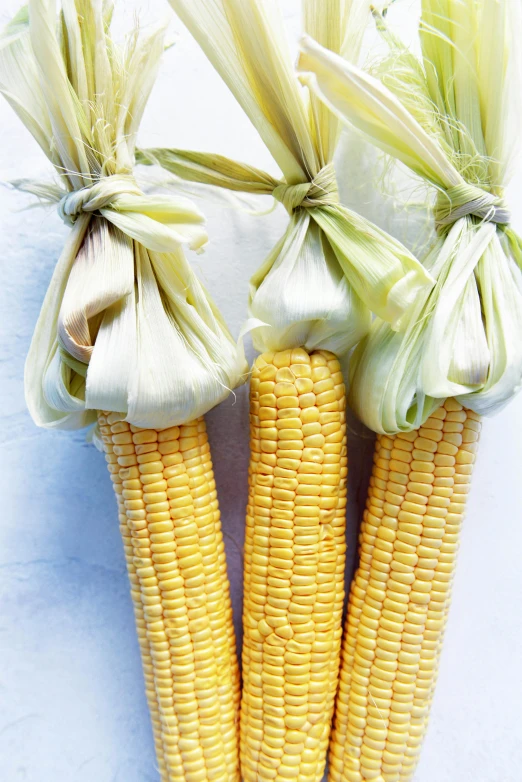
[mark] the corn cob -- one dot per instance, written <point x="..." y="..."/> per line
<point x="294" y="564"/>
<point x="174" y="548"/>
<point x="400" y="596"/>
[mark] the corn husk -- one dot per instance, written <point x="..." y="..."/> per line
<point x="125" y="325"/>
<point x="453" y="118"/>
<point x="332" y="268"/>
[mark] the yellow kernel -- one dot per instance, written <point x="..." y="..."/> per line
<point x="314" y="441"/>
<point x="284" y="389"/>
<point x="301" y="370"/>
<point x="286" y="402"/>
<point x="267" y="400"/>
<point x="304" y="385"/>
<point x="308" y="400"/>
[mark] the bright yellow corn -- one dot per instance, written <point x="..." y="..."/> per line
<point x="170" y="525"/>
<point x="294" y="565"/>
<point x="400" y="596"/>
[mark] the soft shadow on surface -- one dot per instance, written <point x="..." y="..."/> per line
<point x="360" y="459"/>
<point x="228" y="430"/>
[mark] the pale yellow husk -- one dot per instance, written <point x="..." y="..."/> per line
<point x="453" y="118"/>
<point x="331" y="268"/>
<point x="125" y="325"/>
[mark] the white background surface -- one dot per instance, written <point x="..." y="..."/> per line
<point x="72" y="707"/>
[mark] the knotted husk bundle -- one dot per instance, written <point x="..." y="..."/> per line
<point x="453" y="118"/>
<point x="331" y="268"/>
<point x="129" y="335"/>
<point x="125" y="325"/>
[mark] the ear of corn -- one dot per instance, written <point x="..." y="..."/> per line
<point x="169" y="520"/>
<point x="294" y="564"/>
<point x="400" y="596"/>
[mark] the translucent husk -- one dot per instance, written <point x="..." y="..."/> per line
<point x="125" y="325"/>
<point x="453" y="118"/>
<point x="332" y="268"/>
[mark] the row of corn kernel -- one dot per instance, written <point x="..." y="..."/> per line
<point x="145" y="647"/>
<point x="176" y="547"/>
<point x="464" y="425"/>
<point x="400" y="596"/>
<point x="294" y="564"/>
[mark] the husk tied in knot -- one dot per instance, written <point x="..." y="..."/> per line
<point x="320" y="191"/>
<point x="100" y="195"/>
<point x="468" y="199"/>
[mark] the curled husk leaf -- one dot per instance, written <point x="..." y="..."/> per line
<point x="453" y="118"/>
<point x="331" y="268"/>
<point x="125" y="325"/>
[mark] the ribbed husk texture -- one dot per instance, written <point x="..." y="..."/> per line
<point x="331" y="268"/>
<point x="453" y="118"/>
<point x="125" y="325"/>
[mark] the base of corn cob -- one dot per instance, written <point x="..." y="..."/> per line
<point x="294" y="565"/>
<point x="400" y="596"/>
<point x="169" y="521"/>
